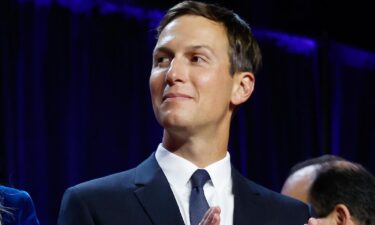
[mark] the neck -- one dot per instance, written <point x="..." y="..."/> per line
<point x="202" y="150"/>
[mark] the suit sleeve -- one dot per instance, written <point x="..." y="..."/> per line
<point x="312" y="212"/>
<point x="74" y="210"/>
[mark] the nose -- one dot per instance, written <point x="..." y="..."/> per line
<point x="176" y="72"/>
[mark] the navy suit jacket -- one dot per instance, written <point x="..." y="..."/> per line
<point x="142" y="196"/>
<point x="20" y="206"/>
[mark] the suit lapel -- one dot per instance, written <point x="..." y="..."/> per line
<point x="246" y="200"/>
<point x="155" y="194"/>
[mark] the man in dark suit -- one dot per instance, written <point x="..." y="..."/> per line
<point x="204" y="66"/>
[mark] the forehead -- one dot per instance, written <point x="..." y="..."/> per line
<point x="194" y="30"/>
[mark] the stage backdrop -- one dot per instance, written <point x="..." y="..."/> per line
<point x="75" y="102"/>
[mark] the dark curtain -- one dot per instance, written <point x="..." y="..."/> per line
<point x="75" y="101"/>
<point x="352" y="112"/>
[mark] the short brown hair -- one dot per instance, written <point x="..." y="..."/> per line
<point x="244" y="51"/>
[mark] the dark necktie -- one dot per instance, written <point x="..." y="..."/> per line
<point x="198" y="204"/>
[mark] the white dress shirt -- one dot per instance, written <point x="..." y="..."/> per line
<point x="218" y="190"/>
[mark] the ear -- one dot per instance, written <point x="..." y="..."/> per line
<point x="243" y="87"/>
<point x="341" y="215"/>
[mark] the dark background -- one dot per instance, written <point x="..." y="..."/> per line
<point x="75" y="100"/>
<point x="351" y="22"/>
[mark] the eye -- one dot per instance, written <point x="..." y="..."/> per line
<point x="198" y="59"/>
<point x="162" y="61"/>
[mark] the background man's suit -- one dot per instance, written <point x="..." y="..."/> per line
<point x="142" y="196"/>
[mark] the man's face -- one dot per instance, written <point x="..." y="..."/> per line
<point x="190" y="82"/>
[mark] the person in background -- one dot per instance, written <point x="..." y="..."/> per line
<point x="302" y="175"/>
<point x="204" y="66"/>
<point x="16" y="207"/>
<point x="340" y="192"/>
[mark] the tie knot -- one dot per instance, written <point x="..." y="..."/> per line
<point x="199" y="178"/>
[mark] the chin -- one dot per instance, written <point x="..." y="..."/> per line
<point x="173" y="121"/>
<point x="168" y="123"/>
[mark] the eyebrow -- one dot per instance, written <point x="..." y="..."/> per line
<point x="162" y="49"/>
<point x="194" y="47"/>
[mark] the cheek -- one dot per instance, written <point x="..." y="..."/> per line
<point x="156" y="84"/>
<point x="217" y="85"/>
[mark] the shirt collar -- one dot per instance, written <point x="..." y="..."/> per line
<point x="179" y="170"/>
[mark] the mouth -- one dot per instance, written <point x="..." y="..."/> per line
<point x="176" y="96"/>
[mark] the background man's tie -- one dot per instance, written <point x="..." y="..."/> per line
<point x="198" y="203"/>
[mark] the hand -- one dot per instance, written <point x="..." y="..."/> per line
<point x="211" y="217"/>
<point x="315" y="221"/>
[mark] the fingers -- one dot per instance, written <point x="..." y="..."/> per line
<point x="211" y="217"/>
<point x="314" y="221"/>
